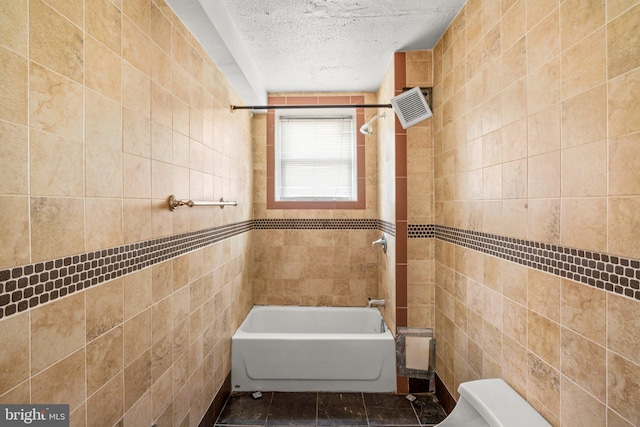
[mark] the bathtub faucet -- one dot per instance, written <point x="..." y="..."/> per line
<point x="375" y="303"/>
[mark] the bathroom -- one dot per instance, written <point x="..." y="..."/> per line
<point x="535" y="139"/>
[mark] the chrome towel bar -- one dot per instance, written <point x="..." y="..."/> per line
<point x="175" y="203"/>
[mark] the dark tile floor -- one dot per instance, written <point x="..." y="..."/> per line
<point x="330" y="409"/>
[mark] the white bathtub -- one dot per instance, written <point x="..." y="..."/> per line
<point x="287" y="348"/>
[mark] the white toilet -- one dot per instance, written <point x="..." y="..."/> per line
<point x="492" y="403"/>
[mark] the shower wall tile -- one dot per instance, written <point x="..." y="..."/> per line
<point x="55" y="103"/>
<point x="56" y="227"/>
<point x="14" y="152"/>
<point x="622" y="42"/>
<point x="56" y="166"/>
<point x="14" y="20"/>
<point x="15" y="365"/>
<point x="584" y="63"/>
<point x="54" y="42"/>
<point x="567" y="178"/>
<point x="14" y="94"/>
<point x="623" y="112"/>
<point x="90" y="152"/>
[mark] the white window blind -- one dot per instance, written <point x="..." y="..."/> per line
<point x="316" y="157"/>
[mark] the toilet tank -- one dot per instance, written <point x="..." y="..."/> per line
<point x="500" y="405"/>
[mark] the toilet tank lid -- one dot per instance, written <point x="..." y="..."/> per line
<point x="500" y="405"/>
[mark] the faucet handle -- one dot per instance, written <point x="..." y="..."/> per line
<point x="382" y="242"/>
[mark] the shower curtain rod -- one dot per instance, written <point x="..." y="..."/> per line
<point x="276" y="107"/>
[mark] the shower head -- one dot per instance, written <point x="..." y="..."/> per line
<point x="367" y="128"/>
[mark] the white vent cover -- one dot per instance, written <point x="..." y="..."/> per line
<point x="411" y="107"/>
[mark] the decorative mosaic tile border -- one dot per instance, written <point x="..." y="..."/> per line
<point x="30" y="285"/>
<point x="314" y="224"/>
<point x="421" y="231"/>
<point x="387" y="227"/>
<point x="27" y="286"/>
<point x="611" y="273"/>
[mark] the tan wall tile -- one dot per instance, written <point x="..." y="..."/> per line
<point x="623" y="112"/>
<point x="136" y="216"/>
<point x="102" y="69"/>
<point x="14" y="217"/>
<point x="616" y="7"/>
<point x="622" y="42"/>
<point x="52" y="341"/>
<point x="579" y="19"/>
<point x="137" y="292"/>
<point x="623" y="222"/>
<point x="56" y="167"/>
<point x="14" y="18"/>
<point x="622" y="376"/>
<point x="578" y="352"/>
<point x="584" y="223"/>
<point x="514" y="179"/>
<point x="138" y="12"/>
<point x="104" y="359"/>
<point x="19" y="395"/>
<point x="13" y="82"/>
<point x="137" y="379"/>
<point x="135" y="45"/>
<point x="102" y="121"/>
<point x="584" y="64"/>
<point x="543" y="131"/>
<point x="579" y="407"/>
<point x="544" y="383"/>
<point x="544" y="294"/>
<point x="514" y="24"/>
<point x="584" y="118"/>
<point x="106" y="405"/>
<point x="103" y="174"/>
<point x="543" y="40"/>
<point x="55" y="103"/>
<point x="584" y="310"/>
<point x="137" y="336"/>
<point x="515" y="321"/>
<point x="548" y="76"/>
<point x="103" y="223"/>
<point x="61" y="383"/>
<point x="55" y="42"/>
<point x="624" y="165"/>
<point x="544" y="338"/>
<point x="14" y="365"/>
<point x="544" y="175"/>
<point x="622" y="339"/>
<point x="581" y="181"/>
<point x="57" y="227"/>
<point x="14" y="155"/>
<point x="160" y="28"/>
<point x="104" y="308"/>
<point x="537" y="10"/>
<point x="103" y="21"/>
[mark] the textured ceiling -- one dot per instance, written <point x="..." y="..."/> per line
<point x="311" y="45"/>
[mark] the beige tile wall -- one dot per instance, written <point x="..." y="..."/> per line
<point x="386" y="161"/>
<point x="314" y="267"/>
<point x="107" y="108"/>
<point x="536" y="137"/>
<point x="420" y="201"/>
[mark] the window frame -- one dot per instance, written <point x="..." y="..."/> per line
<point x="272" y="202"/>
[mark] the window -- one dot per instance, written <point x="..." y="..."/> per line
<point x="316" y="156"/>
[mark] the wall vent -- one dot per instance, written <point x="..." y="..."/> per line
<point x="411" y="107"/>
